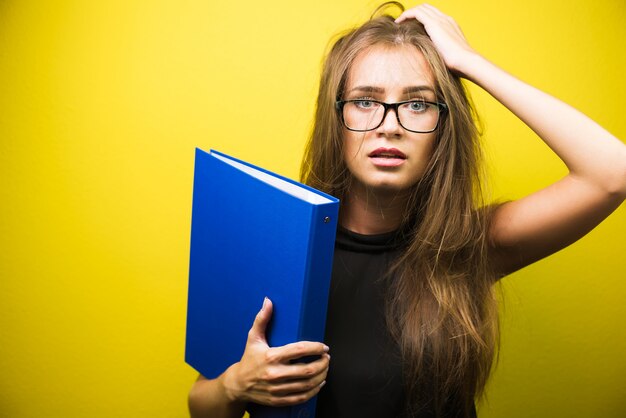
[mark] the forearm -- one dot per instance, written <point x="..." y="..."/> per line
<point x="530" y="228"/>
<point x="590" y="152"/>
<point x="209" y="398"/>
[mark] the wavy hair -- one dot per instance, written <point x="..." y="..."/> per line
<point x="441" y="306"/>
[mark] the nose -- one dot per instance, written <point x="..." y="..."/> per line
<point x="391" y="125"/>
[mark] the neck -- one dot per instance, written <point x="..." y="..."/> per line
<point x="368" y="212"/>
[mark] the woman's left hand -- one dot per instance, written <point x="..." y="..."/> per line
<point x="445" y="34"/>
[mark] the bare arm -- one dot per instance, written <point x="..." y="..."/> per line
<point x="528" y="229"/>
<point x="548" y="220"/>
<point x="264" y="375"/>
<point x="209" y="398"/>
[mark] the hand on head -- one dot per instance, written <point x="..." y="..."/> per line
<point x="444" y="32"/>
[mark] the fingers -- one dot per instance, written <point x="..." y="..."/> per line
<point x="293" y="398"/>
<point x="294" y="383"/>
<point x="445" y="34"/>
<point x="270" y="376"/>
<point x="257" y="332"/>
<point x="287" y="384"/>
<point x="428" y="15"/>
<point x="278" y="373"/>
<point x="291" y="387"/>
<point x="295" y="351"/>
<point x="420" y="13"/>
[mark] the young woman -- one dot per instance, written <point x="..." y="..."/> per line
<point x="412" y="321"/>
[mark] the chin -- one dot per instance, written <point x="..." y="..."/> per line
<point x="394" y="185"/>
<point x="386" y="188"/>
<point x="385" y="183"/>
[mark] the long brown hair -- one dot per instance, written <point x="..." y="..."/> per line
<point x="441" y="307"/>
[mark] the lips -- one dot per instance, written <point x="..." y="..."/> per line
<point x="387" y="153"/>
<point x="387" y="157"/>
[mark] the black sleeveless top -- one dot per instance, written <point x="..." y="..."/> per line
<point x="365" y="378"/>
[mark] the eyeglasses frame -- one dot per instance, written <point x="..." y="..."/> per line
<point x="339" y="104"/>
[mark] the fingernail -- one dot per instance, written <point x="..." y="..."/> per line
<point x="264" y="304"/>
<point x="323" y="383"/>
<point x="326" y="348"/>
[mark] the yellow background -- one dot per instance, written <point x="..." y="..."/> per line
<point x="101" y="106"/>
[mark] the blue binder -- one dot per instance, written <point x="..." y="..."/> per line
<point x="255" y="234"/>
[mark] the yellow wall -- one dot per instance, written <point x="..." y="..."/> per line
<point x="101" y="106"/>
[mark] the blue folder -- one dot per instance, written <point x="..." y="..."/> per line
<point x="255" y="234"/>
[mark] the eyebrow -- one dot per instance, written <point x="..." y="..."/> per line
<point x="368" y="89"/>
<point x="406" y="90"/>
<point x="417" y="89"/>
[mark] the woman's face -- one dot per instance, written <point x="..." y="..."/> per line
<point x="388" y="158"/>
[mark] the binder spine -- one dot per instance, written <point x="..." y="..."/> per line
<point x="317" y="284"/>
<point x="323" y="228"/>
<point x="317" y="281"/>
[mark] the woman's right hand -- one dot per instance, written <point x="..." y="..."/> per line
<point x="267" y="375"/>
<point x="445" y="34"/>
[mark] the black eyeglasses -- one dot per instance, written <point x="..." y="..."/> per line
<point x="362" y="115"/>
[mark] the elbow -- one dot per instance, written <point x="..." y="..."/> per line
<point x="194" y="400"/>
<point x="617" y="184"/>
<point x="199" y="398"/>
<point x="611" y="178"/>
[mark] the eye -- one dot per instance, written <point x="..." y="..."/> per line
<point x="418" y="106"/>
<point x="364" y="104"/>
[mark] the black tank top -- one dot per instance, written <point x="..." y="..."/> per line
<point x="365" y="378"/>
<point x="365" y="375"/>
